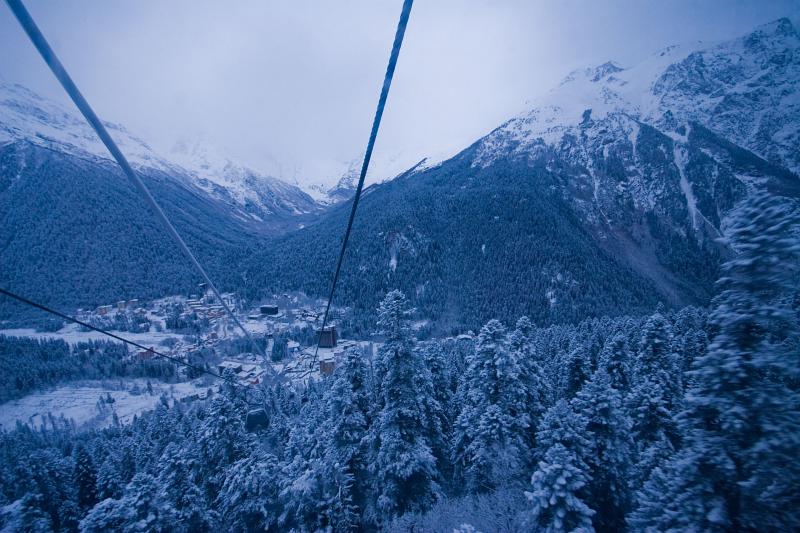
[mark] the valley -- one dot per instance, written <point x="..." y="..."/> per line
<point x="588" y="319"/>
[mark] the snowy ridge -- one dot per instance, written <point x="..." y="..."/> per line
<point x="744" y="89"/>
<point x="220" y="177"/>
<point x="26" y="116"/>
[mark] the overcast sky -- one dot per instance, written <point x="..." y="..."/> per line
<point x="290" y="87"/>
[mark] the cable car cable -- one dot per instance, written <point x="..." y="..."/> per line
<point x="109" y="334"/>
<point x="387" y="82"/>
<point x="49" y="56"/>
<point x="170" y="358"/>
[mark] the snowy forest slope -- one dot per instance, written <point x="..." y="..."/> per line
<point x="608" y="194"/>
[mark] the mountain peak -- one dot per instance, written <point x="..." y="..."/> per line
<point x="774" y="36"/>
<point x="27" y="116"/>
<point x="744" y="89"/>
<point x="781" y="27"/>
<point x="606" y="69"/>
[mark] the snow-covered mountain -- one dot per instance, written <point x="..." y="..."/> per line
<point x="607" y="195"/>
<point x="73" y="230"/>
<point x="345" y="188"/>
<point x="24" y="115"/>
<point x="259" y="195"/>
<point x="745" y="90"/>
<point x="28" y="117"/>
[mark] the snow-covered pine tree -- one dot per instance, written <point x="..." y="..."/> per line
<point x="538" y="389"/>
<point x="490" y="434"/>
<point x="738" y="470"/>
<point x="576" y="370"/>
<point x="248" y="499"/>
<point x="433" y="355"/>
<point x="178" y="495"/>
<point x="394" y="323"/>
<point x="656" y="358"/>
<point x="402" y="465"/>
<point x="691" y="339"/>
<point x="137" y="510"/>
<point x="655" y="398"/>
<point x="85" y="477"/>
<point x="221" y="438"/>
<point x="433" y="414"/>
<point x="562" y="425"/>
<point x="305" y="496"/>
<point x="347" y="410"/>
<point x="609" y="460"/>
<point x="655" y="428"/>
<point x="32" y="519"/>
<point x="615" y="360"/>
<point x="109" y="484"/>
<point x="556" y="506"/>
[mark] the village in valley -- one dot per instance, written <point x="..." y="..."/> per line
<point x="289" y="326"/>
<point x="193" y="329"/>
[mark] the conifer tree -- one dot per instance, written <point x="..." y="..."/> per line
<point x="738" y="470"/>
<point x="562" y="425"/>
<point x="609" y="458"/>
<point x="179" y="496"/>
<point x="402" y="464"/>
<point x="85" y="478"/>
<point x="490" y="436"/>
<point x="576" y="370"/>
<point x="433" y="356"/>
<point x="615" y="360"/>
<point x="137" y="510"/>
<point x="655" y="399"/>
<point x="537" y="387"/>
<point x="248" y="499"/>
<point x="221" y="439"/>
<point x="347" y="417"/>
<point x="555" y="504"/>
<point x="32" y="518"/>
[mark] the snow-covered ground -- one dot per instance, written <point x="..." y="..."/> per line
<point x="79" y="402"/>
<point x="73" y="335"/>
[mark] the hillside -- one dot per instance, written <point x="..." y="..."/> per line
<point x="74" y="232"/>
<point x="609" y="195"/>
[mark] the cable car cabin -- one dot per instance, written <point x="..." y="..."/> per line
<point x="327" y="337"/>
<point x="269" y="310"/>
<point x="327" y="366"/>
<point x="256" y="419"/>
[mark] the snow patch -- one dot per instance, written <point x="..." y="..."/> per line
<point x="681" y="159"/>
<point x="79" y="403"/>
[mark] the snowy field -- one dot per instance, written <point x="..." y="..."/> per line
<point x="79" y="402"/>
<point x="73" y="335"/>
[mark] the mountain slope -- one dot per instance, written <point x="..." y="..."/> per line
<point x="261" y="197"/>
<point x="73" y="231"/>
<point x="607" y="196"/>
<point x="277" y="205"/>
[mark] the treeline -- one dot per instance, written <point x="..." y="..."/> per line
<point x="682" y="421"/>
<point x="28" y="364"/>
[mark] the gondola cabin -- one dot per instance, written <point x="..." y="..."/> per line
<point x="256" y="419"/>
<point x="327" y="366"/>
<point x="269" y="310"/>
<point x="327" y="337"/>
